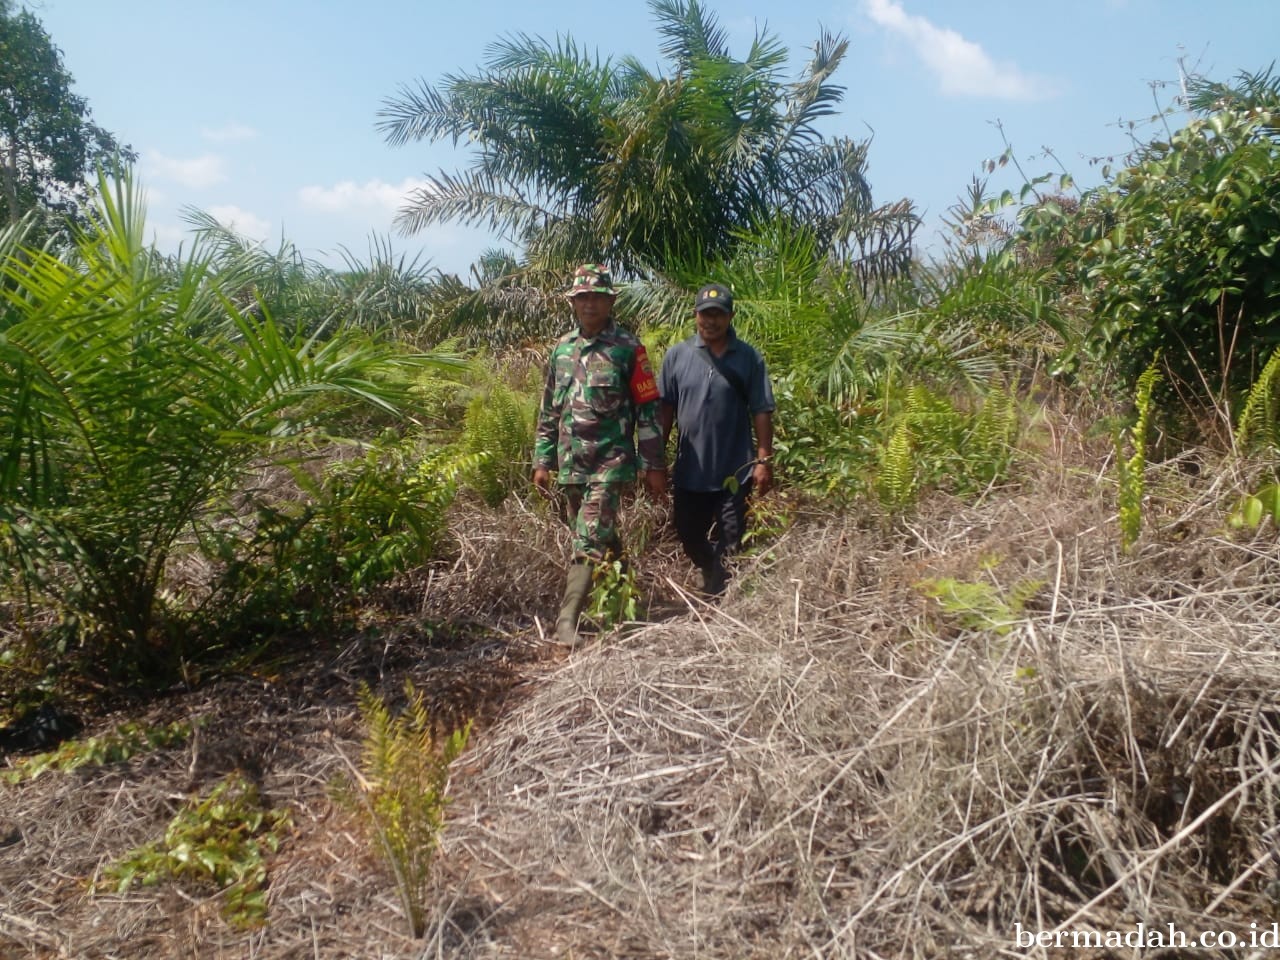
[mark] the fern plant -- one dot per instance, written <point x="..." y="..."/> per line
<point x="400" y="788"/>
<point x="935" y="440"/>
<point x="1257" y="424"/>
<point x="1131" y="470"/>
<point x="896" y="485"/>
<point x="1258" y="428"/>
<point x="992" y="434"/>
<point x="498" y="430"/>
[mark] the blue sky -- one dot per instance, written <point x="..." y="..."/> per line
<point x="263" y="113"/>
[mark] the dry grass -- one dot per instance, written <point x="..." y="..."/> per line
<point x="827" y="763"/>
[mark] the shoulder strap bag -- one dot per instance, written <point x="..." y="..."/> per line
<point x="730" y="376"/>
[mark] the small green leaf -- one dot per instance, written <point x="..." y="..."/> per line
<point x="1248" y="513"/>
<point x="1269" y="498"/>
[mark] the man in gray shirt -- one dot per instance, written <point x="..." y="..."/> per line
<point x="715" y="390"/>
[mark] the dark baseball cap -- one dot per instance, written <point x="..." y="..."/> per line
<point x="714" y="296"/>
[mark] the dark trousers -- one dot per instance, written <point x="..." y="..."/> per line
<point x="697" y="513"/>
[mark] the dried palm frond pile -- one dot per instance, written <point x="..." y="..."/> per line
<point x="842" y="760"/>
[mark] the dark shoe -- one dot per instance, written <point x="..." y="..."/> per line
<point x="577" y="590"/>
<point x="714" y="579"/>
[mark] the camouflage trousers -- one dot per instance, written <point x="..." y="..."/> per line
<point x="591" y="511"/>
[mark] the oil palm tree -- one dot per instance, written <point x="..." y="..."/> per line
<point x="134" y="395"/>
<point x="581" y="157"/>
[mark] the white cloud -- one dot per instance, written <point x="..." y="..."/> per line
<point x="349" y="196"/>
<point x="241" y="221"/>
<point x="229" y="133"/>
<point x="167" y="236"/>
<point x="962" y="67"/>
<point x="196" y="172"/>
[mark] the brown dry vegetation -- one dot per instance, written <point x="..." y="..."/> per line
<point x="828" y="763"/>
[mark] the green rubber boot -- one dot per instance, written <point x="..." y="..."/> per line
<point x="577" y="590"/>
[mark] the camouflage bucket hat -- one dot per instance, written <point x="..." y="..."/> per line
<point x="591" y="278"/>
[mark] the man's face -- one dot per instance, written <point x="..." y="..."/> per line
<point x="713" y="324"/>
<point x="592" y="310"/>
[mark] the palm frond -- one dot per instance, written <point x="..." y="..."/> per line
<point x="566" y="144"/>
<point x="689" y="31"/>
<point x="814" y="96"/>
<point x="472" y="198"/>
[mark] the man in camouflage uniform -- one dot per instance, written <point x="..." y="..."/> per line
<point x="599" y="409"/>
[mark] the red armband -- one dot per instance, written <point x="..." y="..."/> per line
<point x="644" y="388"/>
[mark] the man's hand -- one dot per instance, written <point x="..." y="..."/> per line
<point x="542" y="480"/>
<point x="762" y="476"/>
<point x="655" y="484"/>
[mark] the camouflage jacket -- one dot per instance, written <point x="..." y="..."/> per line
<point x="599" y="405"/>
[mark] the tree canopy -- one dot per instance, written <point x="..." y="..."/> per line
<point x="48" y="140"/>
<point x="1176" y="252"/>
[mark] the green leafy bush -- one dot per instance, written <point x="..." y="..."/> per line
<point x="223" y="839"/>
<point x="615" y="598"/>
<point x="820" y="445"/>
<point x="1176" y="254"/>
<point x="360" y="522"/>
<point x="125" y="741"/>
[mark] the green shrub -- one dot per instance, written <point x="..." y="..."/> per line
<point x="1175" y="253"/>
<point x="222" y="839"/>
<point x="125" y="741"/>
<point x="360" y="522"/>
<point x="615" y="598"/>
<point x="820" y="445"/>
